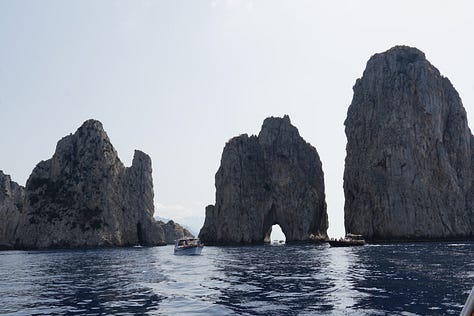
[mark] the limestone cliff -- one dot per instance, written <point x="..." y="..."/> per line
<point x="275" y="178"/>
<point x="84" y="197"/>
<point x="410" y="153"/>
<point x="11" y="203"/>
<point x="174" y="231"/>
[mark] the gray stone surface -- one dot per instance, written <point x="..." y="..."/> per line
<point x="84" y="197"/>
<point x="275" y="178"/>
<point x="174" y="231"/>
<point x="410" y="153"/>
<point x="11" y="203"/>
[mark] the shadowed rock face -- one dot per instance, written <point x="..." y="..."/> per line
<point x="275" y="178"/>
<point x="11" y="203"/>
<point x="84" y="197"/>
<point x="410" y="153"/>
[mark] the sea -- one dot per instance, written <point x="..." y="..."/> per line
<point x="291" y="279"/>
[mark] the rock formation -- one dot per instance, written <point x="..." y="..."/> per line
<point x="275" y="178"/>
<point x="174" y="231"/>
<point x="11" y="203"/>
<point x="84" y="197"/>
<point x="410" y="153"/>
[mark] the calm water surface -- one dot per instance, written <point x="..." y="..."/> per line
<point x="403" y="279"/>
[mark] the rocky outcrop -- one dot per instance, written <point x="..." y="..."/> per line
<point x="275" y="178"/>
<point x="410" y="153"/>
<point x="84" y="197"/>
<point x="174" y="231"/>
<point x="11" y="203"/>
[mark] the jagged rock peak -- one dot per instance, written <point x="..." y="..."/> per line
<point x="89" y="145"/>
<point x="84" y="197"/>
<point x="275" y="122"/>
<point x="141" y="160"/>
<point x="273" y="178"/>
<point x="91" y="130"/>
<point x="274" y="128"/>
<point x="92" y="124"/>
<point x="8" y="188"/>
<point x="409" y="164"/>
<point x="398" y="57"/>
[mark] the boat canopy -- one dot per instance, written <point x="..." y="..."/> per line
<point x="355" y="236"/>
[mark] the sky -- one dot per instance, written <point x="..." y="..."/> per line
<point x="178" y="79"/>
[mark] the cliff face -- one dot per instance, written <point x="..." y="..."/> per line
<point x="174" y="231"/>
<point x="11" y="203"/>
<point x="84" y="197"/>
<point x="275" y="178"/>
<point x="410" y="153"/>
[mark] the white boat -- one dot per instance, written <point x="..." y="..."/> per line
<point x="188" y="247"/>
<point x="348" y="241"/>
<point x="276" y="242"/>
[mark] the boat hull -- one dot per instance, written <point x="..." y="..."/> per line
<point x="188" y="251"/>
<point x="346" y="243"/>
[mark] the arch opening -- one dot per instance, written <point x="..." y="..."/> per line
<point x="275" y="235"/>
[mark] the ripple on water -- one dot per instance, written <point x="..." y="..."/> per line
<point x="406" y="279"/>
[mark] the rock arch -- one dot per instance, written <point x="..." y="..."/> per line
<point x="273" y="178"/>
<point x="270" y="219"/>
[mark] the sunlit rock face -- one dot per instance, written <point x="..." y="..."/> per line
<point x="11" y="203"/>
<point x="410" y="153"/>
<point x="273" y="178"/>
<point x="84" y="197"/>
<point x="174" y="231"/>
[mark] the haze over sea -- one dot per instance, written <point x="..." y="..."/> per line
<point x="394" y="279"/>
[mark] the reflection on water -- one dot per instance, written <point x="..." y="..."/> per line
<point x="344" y="271"/>
<point x="187" y="288"/>
<point x="273" y="279"/>
<point x="406" y="279"/>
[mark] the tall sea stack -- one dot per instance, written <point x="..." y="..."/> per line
<point x="84" y="197"/>
<point x="11" y="203"/>
<point x="273" y="178"/>
<point x="410" y="153"/>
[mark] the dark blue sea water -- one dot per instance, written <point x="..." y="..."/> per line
<point x="398" y="279"/>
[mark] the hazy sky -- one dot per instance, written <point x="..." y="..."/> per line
<point x="177" y="79"/>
